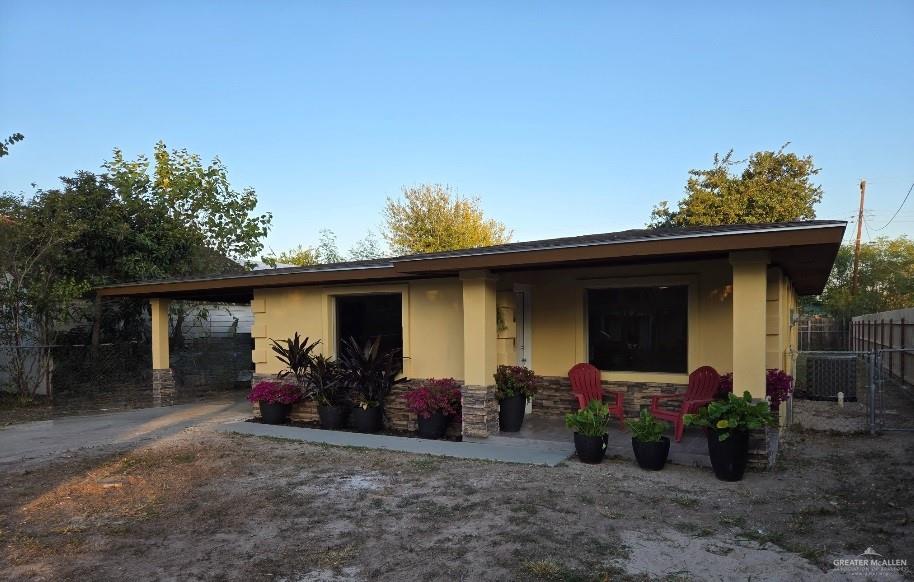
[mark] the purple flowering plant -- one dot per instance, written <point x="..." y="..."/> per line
<point x="274" y="392"/>
<point x="435" y="395"/>
<point x="778" y="386"/>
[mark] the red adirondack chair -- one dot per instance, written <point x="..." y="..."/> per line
<point x="586" y="386"/>
<point x="703" y="385"/>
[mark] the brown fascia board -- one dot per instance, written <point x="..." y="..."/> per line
<point x="827" y="237"/>
<point x="679" y="245"/>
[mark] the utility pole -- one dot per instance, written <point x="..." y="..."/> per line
<point x="859" y="233"/>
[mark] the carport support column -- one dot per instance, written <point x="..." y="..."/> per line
<point x="750" y="294"/>
<point x="480" y="409"/>
<point x="163" y="381"/>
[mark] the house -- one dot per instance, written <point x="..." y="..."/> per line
<point x="645" y="306"/>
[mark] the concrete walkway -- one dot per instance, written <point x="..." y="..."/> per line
<point x="531" y="452"/>
<point x="50" y="438"/>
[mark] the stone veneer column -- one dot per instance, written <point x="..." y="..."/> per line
<point x="480" y="332"/>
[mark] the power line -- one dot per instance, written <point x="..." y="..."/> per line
<point x="899" y="208"/>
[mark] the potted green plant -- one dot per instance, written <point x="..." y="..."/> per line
<point x="514" y="386"/>
<point x="727" y="423"/>
<point x="434" y="402"/>
<point x="371" y="374"/>
<point x="326" y="383"/>
<point x="650" y="446"/>
<point x="275" y="399"/>
<point x="294" y="354"/>
<point x="589" y="426"/>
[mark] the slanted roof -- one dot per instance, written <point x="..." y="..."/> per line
<point x="805" y="250"/>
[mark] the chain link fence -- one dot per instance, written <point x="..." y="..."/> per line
<point x="119" y="375"/>
<point x="831" y="391"/>
<point x="850" y="392"/>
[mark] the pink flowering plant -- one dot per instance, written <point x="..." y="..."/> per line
<point x="274" y="392"/>
<point x="778" y="386"/>
<point x="435" y="395"/>
<point x="514" y="381"/>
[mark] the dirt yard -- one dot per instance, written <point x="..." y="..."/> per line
<point x="206" y="506"/>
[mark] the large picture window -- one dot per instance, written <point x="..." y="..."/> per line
<point x="638" y="329"/>
<point x="369" y="316"/>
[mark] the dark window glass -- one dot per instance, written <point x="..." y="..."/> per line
<point x="641" y="329"/>
<point x="369" y="316"/>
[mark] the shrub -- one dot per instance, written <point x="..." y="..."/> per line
<point x="591" y="420"/>
<point x="436" y="395"/>
<point x="647" y="429"/>
<point x="734" y="413"/>
<point x="514" y="380"/>
<point x="273" y="392"/>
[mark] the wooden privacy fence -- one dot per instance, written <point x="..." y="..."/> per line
<point x="888" y="330"/>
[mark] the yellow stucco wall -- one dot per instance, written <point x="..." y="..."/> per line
<point x="558" y="313"/>
<point x="434" y="318"/>
<point x="432" y="322"/>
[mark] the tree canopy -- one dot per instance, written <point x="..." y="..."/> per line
<point x="433" y="217"/>
<point x="885" y="279"/>
<point x="773" y="186"/>
<point x="327" y="251"/>
<point x="9" y="141"/>
<point x="195" y="195"/>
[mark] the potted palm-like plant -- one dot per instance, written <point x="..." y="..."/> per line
<point x="371" y="374"/>
<point x="434" y="402"/>
<point x="514" y="386"/>
<point x="275" y="400"/>
<point x="589" y="426"/>
<point x="294" y="354"/>
<point x="650" y="446"/>
<point x="326" y="382"/>
<point x="727" y="423"/>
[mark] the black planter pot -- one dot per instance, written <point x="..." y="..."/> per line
<point x="272" y="413"/>
<point x="729" y="457"/>
<point x="434" y="426"/>
<point x="511" y="413"/>
<point x="651" y="456"/>
<point x="333" y="416"/>
<point x="368" y="420"/>
<point x="590" y="449"/>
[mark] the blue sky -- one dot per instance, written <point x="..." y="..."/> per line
<point x="565" y="118"/>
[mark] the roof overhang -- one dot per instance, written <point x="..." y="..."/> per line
<point x="806" y="253"/>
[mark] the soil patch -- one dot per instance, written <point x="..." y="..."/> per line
<point x="214" y="506"/>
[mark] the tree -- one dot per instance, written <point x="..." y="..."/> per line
<point x="300" y="256"/>
<point x="327" y="250"/>
<point x="885" y="279"/>
<point x="432" y="218"/>
<point x="367" y="248"/>
<point x="198" y="196"/>
<point x="36" y="290"/>
<point x="6" y="143"/>
<point x="772" y="187"/>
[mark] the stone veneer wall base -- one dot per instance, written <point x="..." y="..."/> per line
<point x="396" y="415"/>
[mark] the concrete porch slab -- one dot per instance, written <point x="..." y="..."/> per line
<point x="692" y="451"/>
<point x="493" y="449"/>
